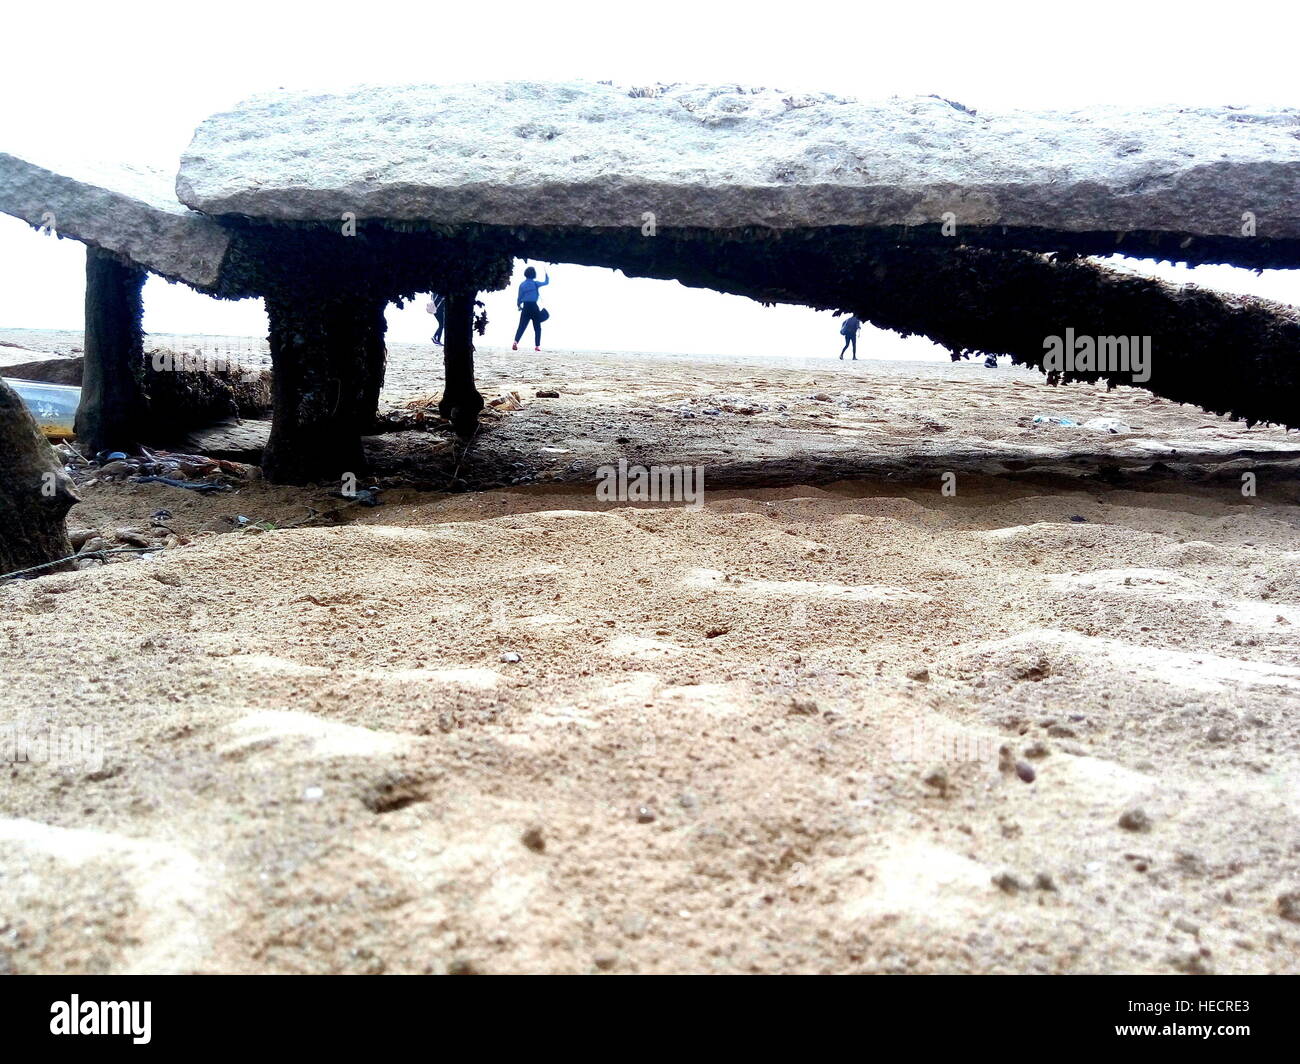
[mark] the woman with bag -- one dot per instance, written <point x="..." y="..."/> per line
<point x="528" y="308"/>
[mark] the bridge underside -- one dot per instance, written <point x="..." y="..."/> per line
<point x="325" y="295"/>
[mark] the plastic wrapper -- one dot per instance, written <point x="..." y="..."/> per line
<point x="53" y="405"/>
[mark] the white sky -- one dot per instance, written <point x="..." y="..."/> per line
<point x="131" y="82"/>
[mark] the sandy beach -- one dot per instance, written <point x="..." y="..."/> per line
<point x="922" y="686"/>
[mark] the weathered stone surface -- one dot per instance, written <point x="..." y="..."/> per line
<point x="35" y="492"/>
<point x="536" y="154"/>
<point x="238" y="441"/>
<point x="130" y="211"/>
<point x="56" y="369"/>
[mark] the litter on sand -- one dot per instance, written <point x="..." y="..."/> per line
<point x="1097" y="424"/>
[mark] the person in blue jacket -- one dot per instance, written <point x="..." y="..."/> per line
<point x="528" y="308"/>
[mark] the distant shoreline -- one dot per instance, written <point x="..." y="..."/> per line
<point x="61" y="341"/>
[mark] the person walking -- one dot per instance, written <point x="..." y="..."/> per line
<point x="849" y="330"/>
<point x="529" y="311"/>
<point x="438" y="308"/>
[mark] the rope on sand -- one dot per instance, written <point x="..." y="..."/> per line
<point x="73" y="557"/>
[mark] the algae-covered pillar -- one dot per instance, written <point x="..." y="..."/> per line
<point x="461" y="401"/>
<point x="326" y="342"/>
<point x="113" y="410"/>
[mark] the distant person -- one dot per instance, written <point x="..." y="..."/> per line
<point x="528" y="308"/>
<point x="990" y="361"/>
<point x="438" y="308"/>
<point x="849" y="330"/>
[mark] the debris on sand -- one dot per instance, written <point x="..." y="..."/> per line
<point x="510" y="401"/>
<point x="1106" y="424"/>
<point x="195" y="472"/>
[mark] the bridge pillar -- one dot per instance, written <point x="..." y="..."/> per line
<point x="111" y="415"/>
<point x="461" y="401"/>
<point x="327" y="353"/>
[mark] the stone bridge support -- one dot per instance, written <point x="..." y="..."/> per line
<point x="113" y="411"/>
<point x="327" y="353"/>
<point x="461" y="401"/>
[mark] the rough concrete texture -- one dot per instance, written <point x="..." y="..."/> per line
<point x="538" y="154"/>
<point x="128" y="210"/>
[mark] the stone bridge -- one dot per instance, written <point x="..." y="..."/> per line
<point x="978" y="230"/>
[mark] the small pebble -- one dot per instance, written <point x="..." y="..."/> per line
<point x="644" y="814"/>
<point x="510" y="657"/>
<point x="938" y="779"/>
<point x="533" y="839"/>
<point x="1195" y="962"/>
<point x="1007" y="883"/>
<point x="314" y="794"/>
<point x="919" y="675"/>
<point x="1135" y="820"/>
<point x="1026" y="771"/>
<point x="1288" y="906"/>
